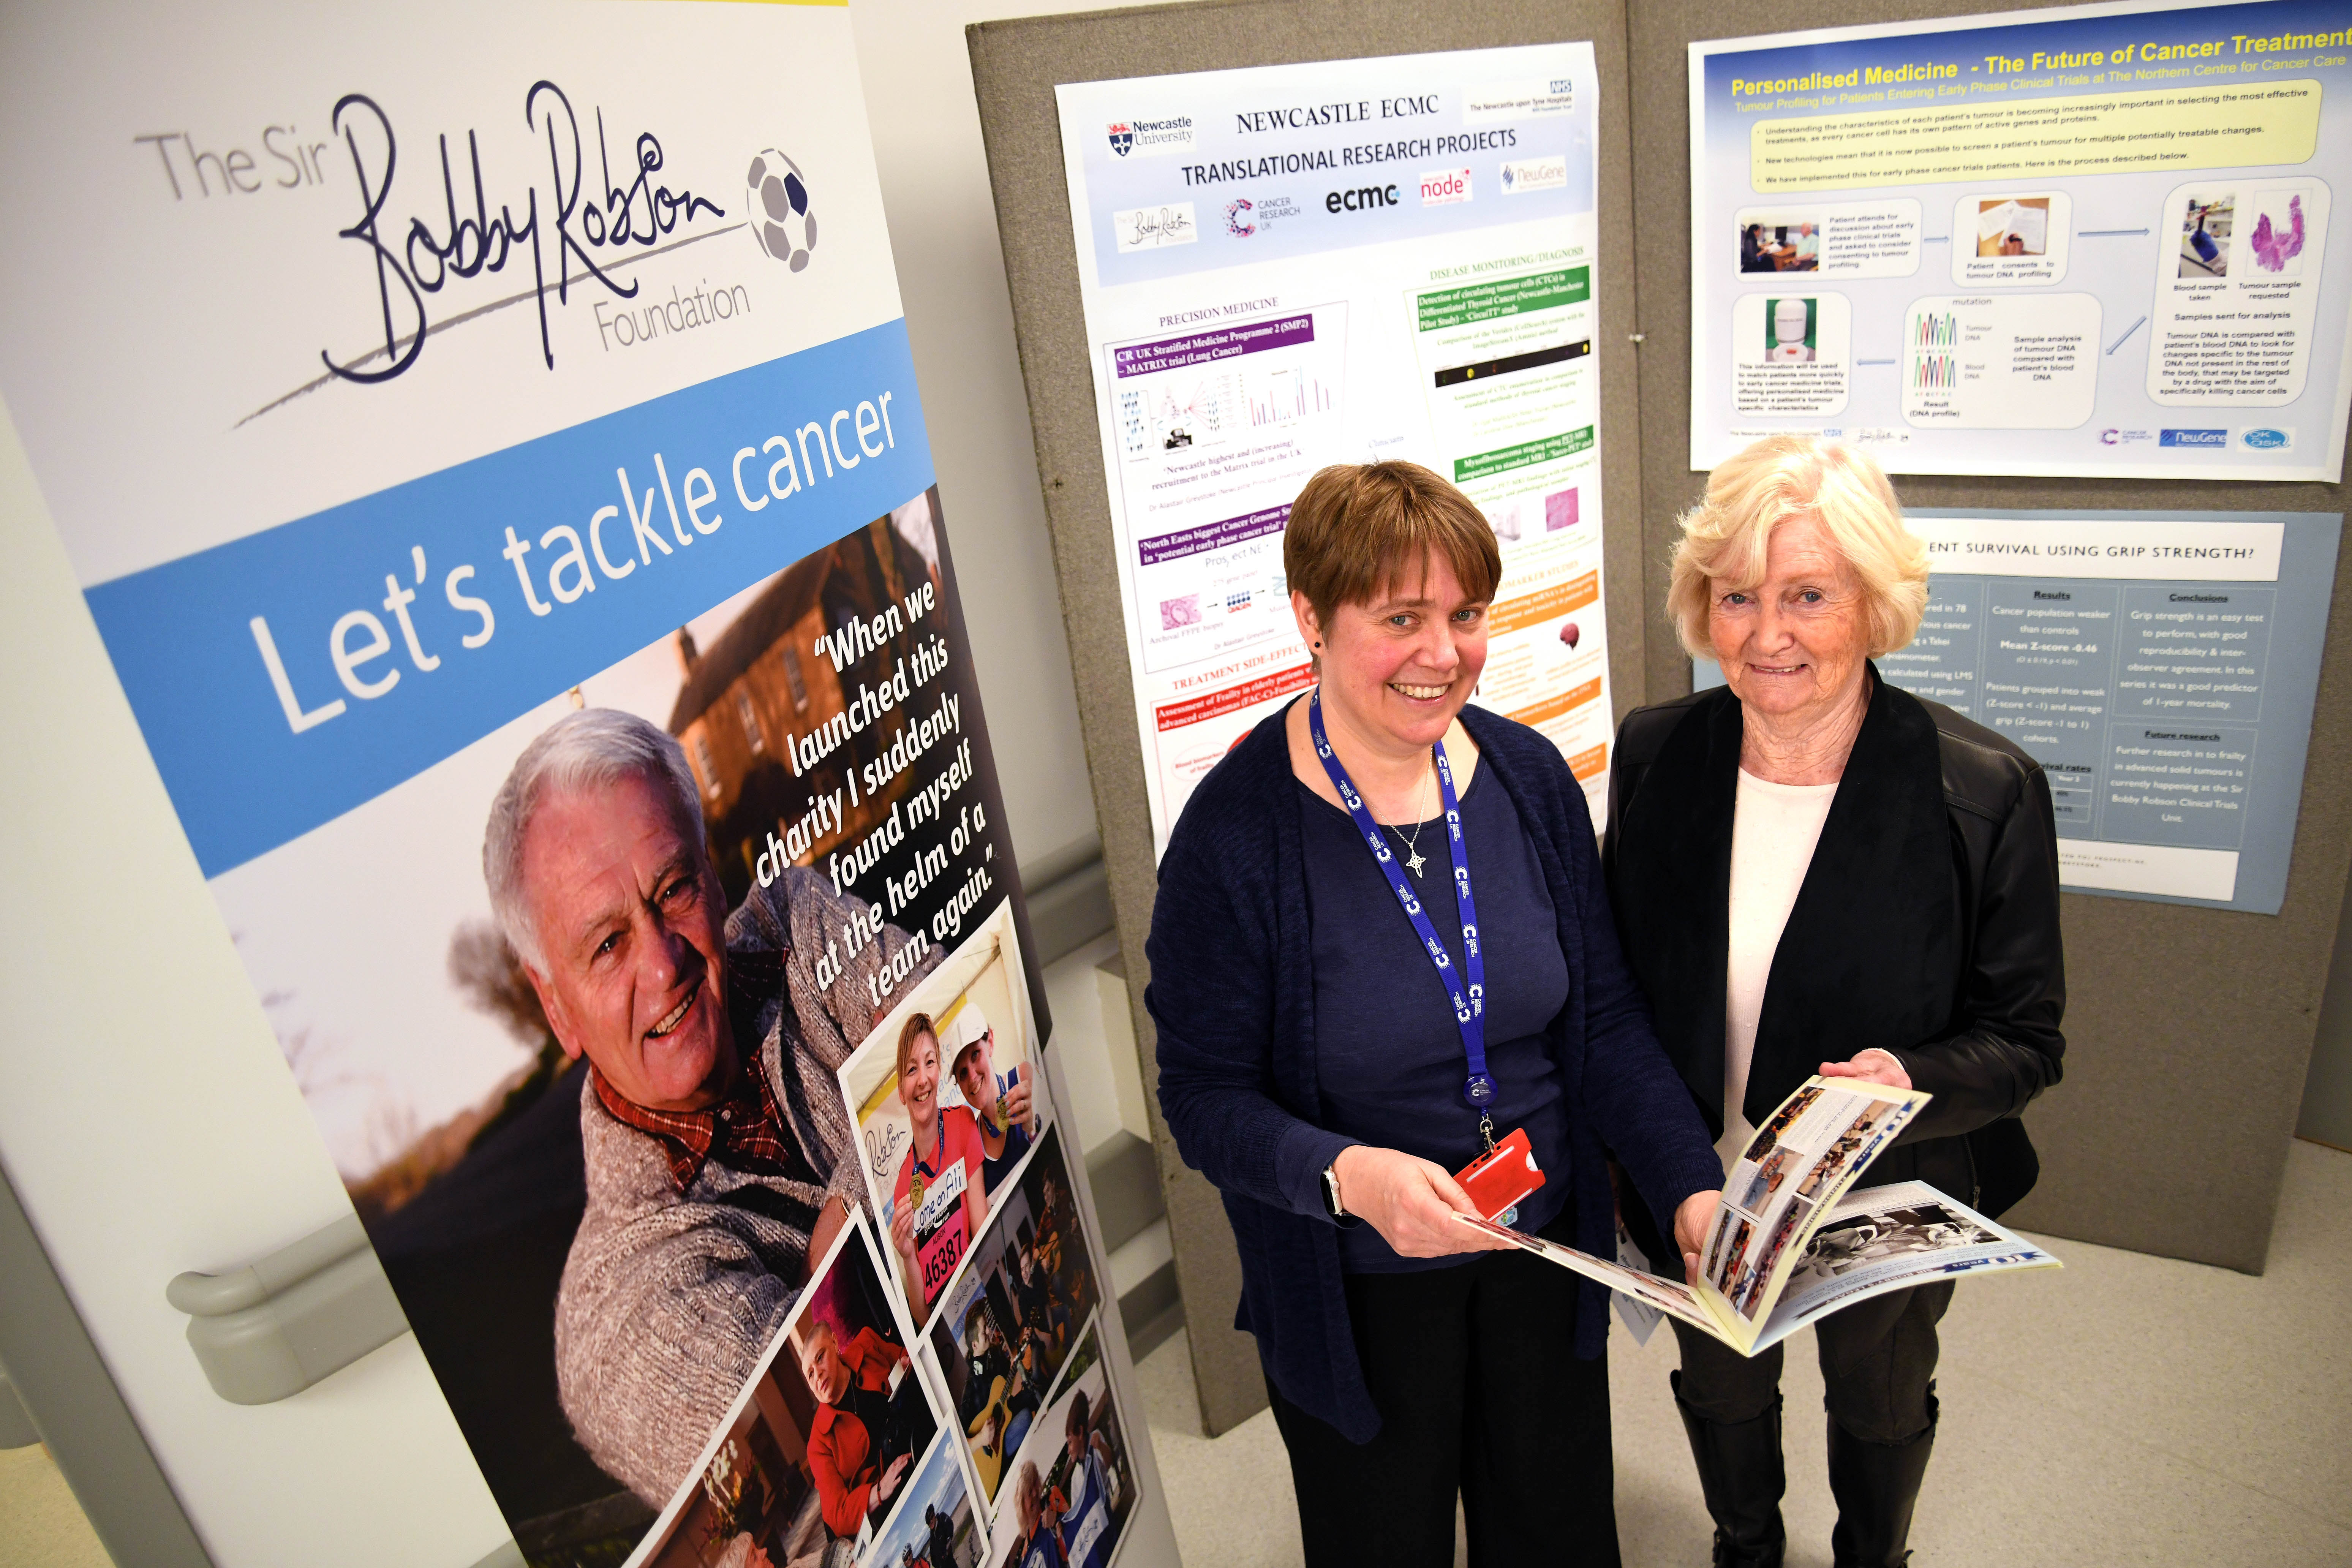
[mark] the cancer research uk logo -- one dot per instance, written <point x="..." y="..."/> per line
<point x="1238" y="222"/>
<point x="1151" y="229"/>
<point x="1151" y="138"/>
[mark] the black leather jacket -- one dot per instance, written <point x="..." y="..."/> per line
<point x="1926" y="926"/>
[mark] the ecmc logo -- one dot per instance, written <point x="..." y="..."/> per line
<point x="2269" y="441"/>
<point x="1363" y="200"/>
<point x="2192" y="439"/>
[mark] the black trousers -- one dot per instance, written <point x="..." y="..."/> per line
<point x="1878" y="1357"/>
<point x="1475" y="1373"/>
<point x="1878" y="1361"/>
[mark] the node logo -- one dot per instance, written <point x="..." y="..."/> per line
<point x="1238" y="221"/>
<point x="782" y="221"/>
<point x="1122" y="139"/>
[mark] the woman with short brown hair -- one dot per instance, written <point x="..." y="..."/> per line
<point x="1381" y="945"/>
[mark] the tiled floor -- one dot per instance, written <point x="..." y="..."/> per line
<point x="2126" y="1410"/>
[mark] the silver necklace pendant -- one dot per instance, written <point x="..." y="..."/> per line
<point x="1413" y="862"/>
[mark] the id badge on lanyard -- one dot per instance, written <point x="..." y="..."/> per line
<point x="1512" y="1161"/>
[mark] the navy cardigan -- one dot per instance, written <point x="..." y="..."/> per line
<point x="1232" y="993"/>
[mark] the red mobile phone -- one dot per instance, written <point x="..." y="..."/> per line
<point x="1502" y="1175"/>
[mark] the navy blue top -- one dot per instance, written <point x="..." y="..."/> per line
<point x="1233" y="992"/>
<point x="1392" y="1064"/>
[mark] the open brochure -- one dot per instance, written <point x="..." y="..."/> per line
<point x="1789" y="1243"/>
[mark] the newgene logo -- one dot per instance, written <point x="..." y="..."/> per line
<point x="2193" y="438"/>
<point x="1522" y="174"/>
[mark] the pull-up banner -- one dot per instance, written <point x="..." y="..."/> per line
<point x="413" y="391"/>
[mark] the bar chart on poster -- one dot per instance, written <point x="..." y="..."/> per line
<point x="1287" y="266"/>
<point x="2161" y="666"/>
<point x="2089" y="240"/>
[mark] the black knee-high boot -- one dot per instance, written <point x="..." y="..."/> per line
<point x="1739" y="1471"/>
<point x="1876" y="1486"/>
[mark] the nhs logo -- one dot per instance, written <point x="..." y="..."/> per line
<point x="2193" y="438"/>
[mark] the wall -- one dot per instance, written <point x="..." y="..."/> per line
<point x="927" y="146"/>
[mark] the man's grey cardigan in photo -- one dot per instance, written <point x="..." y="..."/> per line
<point x="670" y="1297"/>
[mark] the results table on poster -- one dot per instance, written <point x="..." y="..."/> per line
<point x="2161" y="666"/>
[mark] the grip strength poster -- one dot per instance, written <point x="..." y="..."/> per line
<point x="489" y="445"/>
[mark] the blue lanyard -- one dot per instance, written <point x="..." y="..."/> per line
<point x="1470" y="1009"/>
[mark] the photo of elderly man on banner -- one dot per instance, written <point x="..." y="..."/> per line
<point x="595" y="1123"/>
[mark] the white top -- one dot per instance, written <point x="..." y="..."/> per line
<point x="1773" y="831"/>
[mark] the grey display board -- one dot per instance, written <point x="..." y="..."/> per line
<point x="2190" y="1028"/>
<point x="1016" y="67"/>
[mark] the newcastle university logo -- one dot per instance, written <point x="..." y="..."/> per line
<point x="1122" y="139"/>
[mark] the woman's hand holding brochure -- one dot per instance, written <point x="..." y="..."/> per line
<point x="1786" y="1243"/>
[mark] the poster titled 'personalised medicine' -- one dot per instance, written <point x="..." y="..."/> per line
<point x="2103" y="239"/>
<point x="1287" y="266"/>
<point x="498" y="475"/>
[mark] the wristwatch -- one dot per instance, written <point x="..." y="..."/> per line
<point x="1331" y="1191"/>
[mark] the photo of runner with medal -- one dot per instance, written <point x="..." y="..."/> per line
<point x="939" y="1200"/>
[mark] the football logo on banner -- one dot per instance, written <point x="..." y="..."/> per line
<point x="783" y="220"/>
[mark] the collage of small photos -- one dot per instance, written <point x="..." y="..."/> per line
<point x="1798" y="1161"/>
<point x="938" y="1396"/>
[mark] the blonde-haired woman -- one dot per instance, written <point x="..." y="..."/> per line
<point x="1814" y="872"/>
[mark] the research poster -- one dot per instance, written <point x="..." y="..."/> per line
<point x="498" y="475"/>
<point x="2161" y="666"/>
<point x="1287" y="266"/>
<point x="2102" y="240"/>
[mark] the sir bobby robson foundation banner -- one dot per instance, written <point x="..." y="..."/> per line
<point x="489" y="445"/>
<point x="1285" y="267"/>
